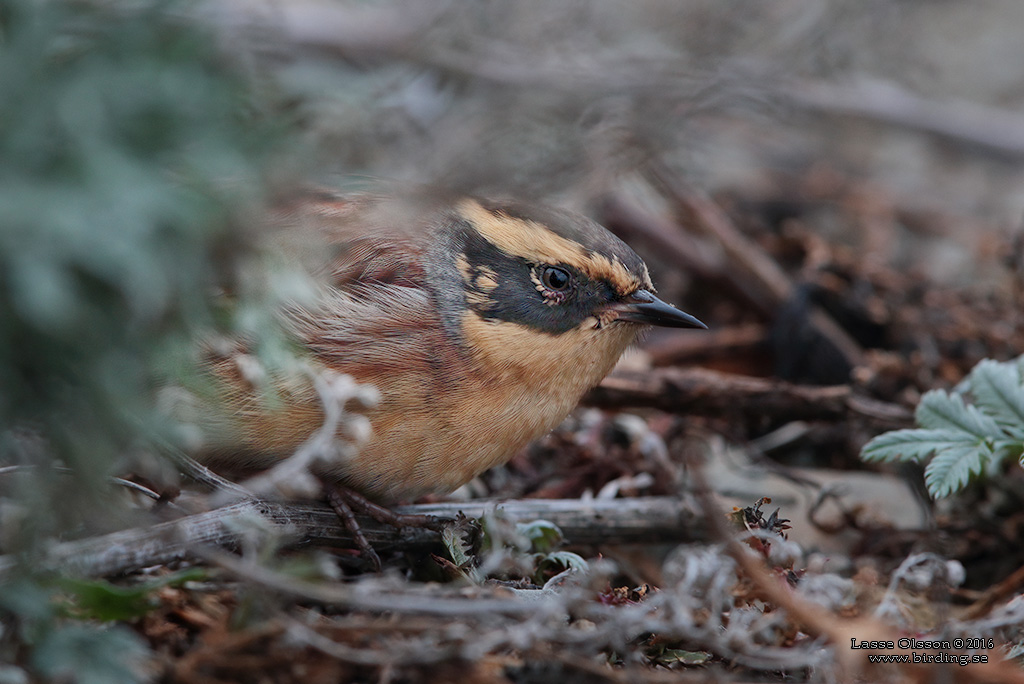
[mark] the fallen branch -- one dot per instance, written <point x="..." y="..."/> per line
<point x="636" y="520"/>
<point x="709" y="393"/>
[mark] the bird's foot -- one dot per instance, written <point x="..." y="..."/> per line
<point x="346" y="501"/>
<point x="386" y="516"/>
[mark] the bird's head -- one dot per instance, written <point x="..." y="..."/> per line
<point x="551" y="290"/>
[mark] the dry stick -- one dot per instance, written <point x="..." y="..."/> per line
<point x="756" y="274"/>
<point x="409" y="654"/>
<point x="639" y="520"/>
<point x="697" y="391"/>
<point x="355" y="596"/>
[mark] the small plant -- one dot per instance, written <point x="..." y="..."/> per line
<point x="969" y="431"/>
<point x="507" y="549"/>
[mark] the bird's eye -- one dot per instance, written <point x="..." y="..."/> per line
<point x="554" y="278"/>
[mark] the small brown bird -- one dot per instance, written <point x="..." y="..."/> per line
<point x="481" y="324"/>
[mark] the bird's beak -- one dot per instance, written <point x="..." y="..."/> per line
<point x="644" y="307"/>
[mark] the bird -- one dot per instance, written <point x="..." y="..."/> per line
<point x="480" y="322"/>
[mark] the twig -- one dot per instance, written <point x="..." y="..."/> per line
<point x="698" y="391"/>
<point x="417" y="653"/>
<point x="203" y="475"/>
<point x="638" y="520"/>
<point x="994" y="594"/>
<point x="357" y="597"/>
<point x="62" y="470"/>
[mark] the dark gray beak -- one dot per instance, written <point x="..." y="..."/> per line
<point x="644" y="307"/>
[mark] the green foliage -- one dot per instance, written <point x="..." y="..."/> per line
<point x="959" y="439"/>
<point x="529" y="549"/>
<point x="544" y="536"/>
<point x="458" y="547"/>
<point x="101" y="600"/>
<point x="132" y="160"/>
<point x="130" y="156"/>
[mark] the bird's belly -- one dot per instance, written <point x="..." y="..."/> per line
<point x="428" y="441"/>
<point x="419" y="448"/>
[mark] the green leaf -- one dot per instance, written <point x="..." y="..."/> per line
<point x="998" y="392"/>
<point x="104" y="601"/>
<point x="965" y="439"/>
<point x="554" y="563"/>
<point x="101" y="600"/>
<point x="458" y="549"/>
<point x="567" y="559"/>
<point x="28" y="600"/>
<point x="940" y="410"/>
<point x="952" y="468"/>
<point x="544" y="535"/>
<point x="914" y="445"/>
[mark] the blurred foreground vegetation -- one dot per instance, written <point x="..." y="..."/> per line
<point x="132" y="160"/>
<point x="131" y="164"/>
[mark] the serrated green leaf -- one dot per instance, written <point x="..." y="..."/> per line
<point x="914" y="445"/>
<point x="952" y="468"/>
<point x="998" y="392"/>
<point x="456" y="546"/>
<point x="940" y="410"/>
<point x="965" y="439"/>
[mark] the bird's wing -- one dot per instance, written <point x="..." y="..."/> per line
<point x="348" y="242"/>
<point x="373" y="308"/>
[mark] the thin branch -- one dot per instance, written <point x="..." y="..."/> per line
<point x="704" y="392"/>
<point x="994" y="594"/>
<point x="636" y="520"/>
<point x="428" y="602"/>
